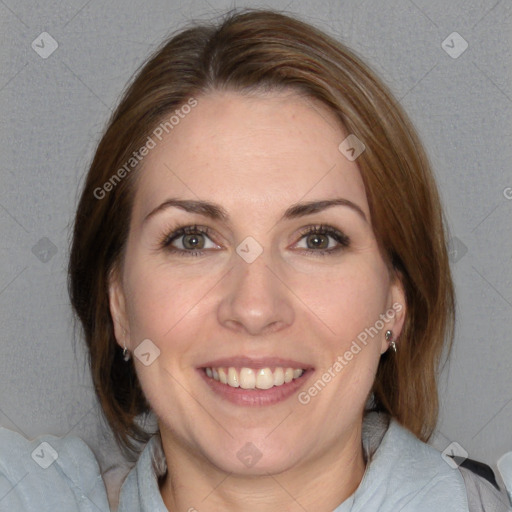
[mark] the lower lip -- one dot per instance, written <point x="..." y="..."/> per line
<point x="255" y="397"/>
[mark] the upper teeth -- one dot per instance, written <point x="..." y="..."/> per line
<point x="249" y="378"/>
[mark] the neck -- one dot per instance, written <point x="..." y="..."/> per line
<point x="320" y="483"/>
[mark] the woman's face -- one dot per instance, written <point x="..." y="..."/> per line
<point x="257" y="293"/>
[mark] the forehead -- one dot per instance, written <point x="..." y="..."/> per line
<point x="254" y="154"/>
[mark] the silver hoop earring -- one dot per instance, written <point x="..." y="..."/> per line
<point x="388" y="335"/>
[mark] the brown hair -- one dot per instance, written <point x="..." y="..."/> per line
<point x="264" y="50"/>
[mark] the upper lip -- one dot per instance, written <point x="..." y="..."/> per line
<point x="255" y="362"/>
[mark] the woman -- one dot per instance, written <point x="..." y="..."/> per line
<point x="259" y="261"/>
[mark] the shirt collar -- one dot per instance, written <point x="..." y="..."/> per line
<point x="141" y="492"/>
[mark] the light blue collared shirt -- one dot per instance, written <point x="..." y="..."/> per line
<point x="51" y="474"/>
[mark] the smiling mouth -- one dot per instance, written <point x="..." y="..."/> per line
<point x="249" y="378"/>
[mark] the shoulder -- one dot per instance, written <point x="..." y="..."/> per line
<point x="49" y="473"/>
<point x="140" y="490"/>
<point x="423" y="477"/>
<point x="483" y="495"/>
<point x="407" y="474"/>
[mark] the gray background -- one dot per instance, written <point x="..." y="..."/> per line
<point x="54" y="109"/>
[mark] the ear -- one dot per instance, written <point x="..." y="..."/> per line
<point x="397" y="309"/>
<point x="117" y="304"/>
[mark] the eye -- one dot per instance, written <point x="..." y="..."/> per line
<point x="188" y="240"/>
<point x="193" y="240"/>
<point x="323" y="240"/>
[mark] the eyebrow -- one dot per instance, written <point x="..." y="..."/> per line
<point x="217" y="212"/>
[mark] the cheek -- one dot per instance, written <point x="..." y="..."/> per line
<point x="352" y="308"/>
<point x="165" y="307"/>
<point x="162" y="301"/>
<point x="347" y="298"/>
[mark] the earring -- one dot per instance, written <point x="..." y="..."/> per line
<point x="389" y="335"/>
<point x="126" y="353"/>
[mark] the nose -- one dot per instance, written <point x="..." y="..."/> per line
<point x="255" y="298"/>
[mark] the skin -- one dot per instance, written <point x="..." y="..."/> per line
<point x="255" y="156"/>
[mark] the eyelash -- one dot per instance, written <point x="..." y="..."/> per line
<point x="342" y="239"/>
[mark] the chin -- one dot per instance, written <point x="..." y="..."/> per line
<point x="253" y="458"/>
